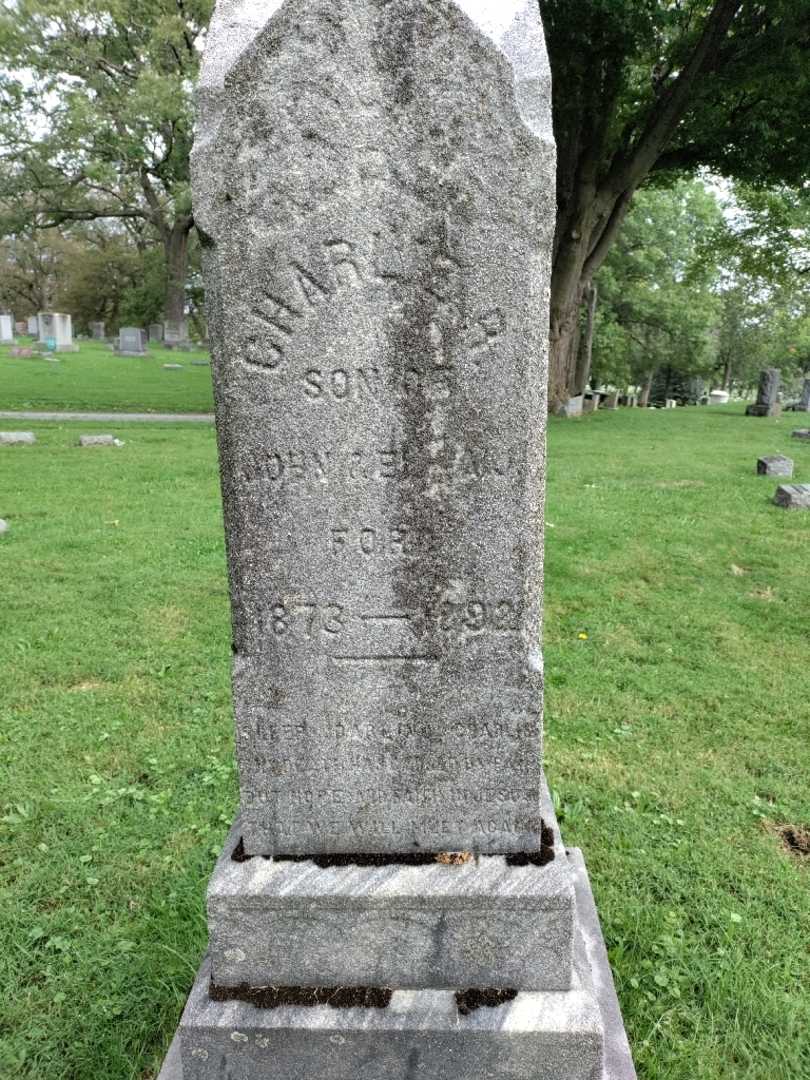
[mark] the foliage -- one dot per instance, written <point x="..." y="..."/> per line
<point x="655" y="87"/>
<point x="102" y="124"/>
<point x="658" y="304"/>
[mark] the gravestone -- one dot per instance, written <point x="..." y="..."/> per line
<point x="719" y="397"/>
<point x="98" y="331"/>
<point x="767" y="403"/>
<point x="801" y="433"/>
<point x="374" y="183"/>
<point x="793" y="496"/>
<point x="775" y="465"/>
<point x="99" y="440"/>
<point x="611" y="400"/>
<point x="131" y="341"/>
<point x="56" y="331"/>
<point x="575" y="406"/>
<point x="591" y="404"/>
<point x="175" y="332"/>
<point x="17" y="438"/>
<point x="33" y="326"/>
<point x="6" y="329"/>
<point x="671" y="403"/>
<point x="156" y="332"/>
<point x="804" y="400"/>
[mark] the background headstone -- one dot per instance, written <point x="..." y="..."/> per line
<point x="175" y="332"/>
<point x="99" y="440"/>
<point x="793" y="496"/>
<point x="98" y="331"/>
<point x="33" y="326"/>
<point x="775" y="465"/>
<point x="156" y="332"/>
<point x="767" y="403"/>
<point x="801" y="433"/>
<point x="4" y="526"/>
<point x="56" y="331"/>
<point x="6" y="329"/>
<point x="17" y="438"/>
<point x="131" y="341"/>
<point x="377" y="266"/>
<point x="804" y="400"/>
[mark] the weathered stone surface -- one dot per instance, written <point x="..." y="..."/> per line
<point x="175" y="332"/>
<point x="17" y="438"/>
<point x="537" y="1036"/>
<point x="56" y="330"/>
<point x="480" y="923"/>
<point x="377" y="262"/>
<point x="6" y="330"/>
<point x="156" y="332"/>
<point x="793" y="496"/>
<point x="99" y="440"/>
<point x="97" y="331"/>
<point x="131" y="341"/>
<point x="593" y="990"/>
<point x="801" y="433"/>
<point x="767" y="403"/>
<point x="33" y="326"/>
<point x="775" y="465"/>
<point x="804" y="400"/>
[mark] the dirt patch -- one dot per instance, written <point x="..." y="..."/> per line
<point x="273" y="997"/>
<point x="795" y="839"/>
<point x="85" y="687"/>
<point x="468" y="1001"/>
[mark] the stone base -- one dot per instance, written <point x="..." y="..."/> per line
<point x="764" y="410"/>
<point x="793" y="496"/>
<point x="574" y="1034"/>
<point x="775" y="465"/>
<point x="480" y="924"/>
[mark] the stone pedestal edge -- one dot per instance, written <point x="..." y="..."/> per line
<point x="617" y="1056"/>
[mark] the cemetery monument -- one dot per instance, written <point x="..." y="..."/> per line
<point x="56" y="331"/>
<point x="804" y="400"/>
<point x="131" y="341"/>
<point x="175" y="332"/>
<point x="767" y="403"/>
<point x="6" y="329"/>
<point x="98" y="331"/>
<point x="33" y="326"/>
<point x="374" y="183"/>
<point x="775" y="465"/>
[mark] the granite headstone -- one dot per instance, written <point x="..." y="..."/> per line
<point x="775" y="465"/>
<point x="6" y="329"/>
<point x="56" y="331"/>
<point x="374" y="186"/>
<point x="767" y="403"/>
<point x="131" y="341"/>
<point x="793" y="496"/>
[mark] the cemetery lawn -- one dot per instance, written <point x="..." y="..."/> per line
<point x="96" y="380"/>
<point x="678" y="746"/>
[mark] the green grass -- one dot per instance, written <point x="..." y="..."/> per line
<point x="95" y="379"/>
<point x="678" y="736"/>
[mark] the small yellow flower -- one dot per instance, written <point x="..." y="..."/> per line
<point x="583" y="636"/>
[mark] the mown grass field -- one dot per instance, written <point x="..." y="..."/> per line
<point x="678" y="719"/>
<point x="95" y="379"/>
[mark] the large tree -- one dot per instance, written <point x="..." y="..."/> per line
<point x="97" y="120"/>
<point x="645" y="87"/>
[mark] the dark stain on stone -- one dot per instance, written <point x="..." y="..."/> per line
<point x="468" y="1001"/>
<point x="274" y="997"/>
<point x="543" y="857"/>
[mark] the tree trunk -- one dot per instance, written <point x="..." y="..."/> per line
<point x="585" y="354"/>
<point x="727" y="373"/>
<point x="644" y="400"/>
<point x="175" y="243"/>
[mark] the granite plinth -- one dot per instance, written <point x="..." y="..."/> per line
<point x="17" y="438"/>
<point x="554" y="1035"/>
<point x="801" y="433"/>
<point x="775" y="465"/>
<point x="99" y="440"/>
<point x="477" y="924"/>
<point x="793" y="496"/>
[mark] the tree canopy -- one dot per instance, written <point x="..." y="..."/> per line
<point x="97" y="119"/>
<point x="645" y="88"/>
